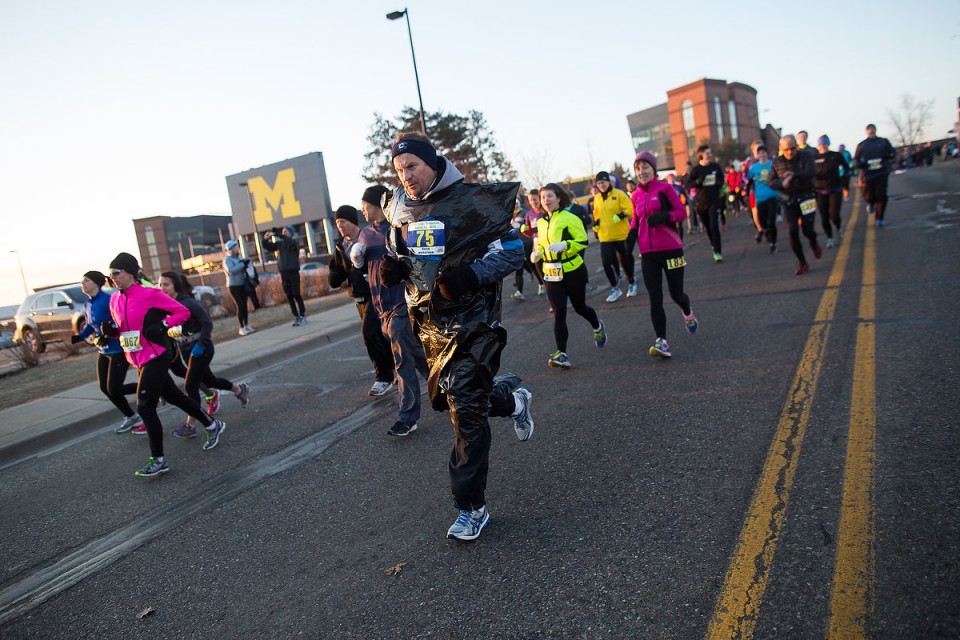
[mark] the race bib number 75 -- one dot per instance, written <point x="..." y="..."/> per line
<point x="426" y="238"/>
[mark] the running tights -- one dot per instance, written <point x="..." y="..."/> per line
<point x="709" y="214"/>
<point x="574" y="287"/>
<point x="111" y="372"/>
<point x="613" y="255"/>
<point x="154" y="382"/>
<point x="796" y="222"/>
<point x="767" y="215"/>
<point x="828" y="204"/>
<point x="652" y="265"/>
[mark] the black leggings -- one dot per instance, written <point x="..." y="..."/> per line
<point x="198" y="372"/>
<point x="290" y="280"/>
<point x="709" y="213"/>
<point x="573" y="286"/>
<point x="875" y="193"/>
<point x="613" y="255"/>
<point x="111" y="372"/>
<point x="239" y="294"/>
<point x="767" y="215"/>
<point x="796" y="222"/>
<point x="672" y="264"/>
<point x="154" y="382"/>
<point x="828" y="204"/>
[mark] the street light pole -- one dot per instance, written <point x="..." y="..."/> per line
<point x="253" y="219"/>
<point x="396" y="15"/>
<point x="23" y="278"/>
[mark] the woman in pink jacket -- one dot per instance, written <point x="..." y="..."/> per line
<point x="655" y="227"/>
<point x="141" y="316"/>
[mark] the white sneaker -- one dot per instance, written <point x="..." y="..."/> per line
<point x="250" y="329"/>
<point x="379" y="388"/>
<point x="243" y="331"/>
<point x="632" y="290"/>
<point x="615" y="294"/>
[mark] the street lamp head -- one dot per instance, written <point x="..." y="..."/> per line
<point x="396" y="15"/>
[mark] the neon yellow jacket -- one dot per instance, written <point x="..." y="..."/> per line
<point x="617" y="203"/>
<point x="557" y="226"/>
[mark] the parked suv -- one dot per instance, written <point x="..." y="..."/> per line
<point x="50" y="315"/>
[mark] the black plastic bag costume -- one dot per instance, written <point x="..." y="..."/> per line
<point x="462" y="339"/>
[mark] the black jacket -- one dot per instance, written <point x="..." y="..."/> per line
<point x="288" y="251"/>
<point x="803" y="172"/>
<point x="828" y="167"/>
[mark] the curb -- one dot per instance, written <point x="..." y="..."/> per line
<point x="93" y="419"/>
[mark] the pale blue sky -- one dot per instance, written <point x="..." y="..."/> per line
<point x="119" y="110"/>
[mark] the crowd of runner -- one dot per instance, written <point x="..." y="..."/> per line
<point x="426" y="272"/>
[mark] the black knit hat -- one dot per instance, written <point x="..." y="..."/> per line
<point x="96" y="277"/>
<point x="374" y="195"/>
<point x="125" y="262"/>
<point x="603" y="175"/>
<point x="348" y="213"/>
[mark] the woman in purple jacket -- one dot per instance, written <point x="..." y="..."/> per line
<point x="657" y="214"/>
<point x="140" y="319"/>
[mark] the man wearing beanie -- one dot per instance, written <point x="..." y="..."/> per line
<point x="707" y="179"/>
<point x="342" y="270"/>
<point x="284" y="242"/>
<point x="612" y="211"/>
<point x="452" y="244"/>
<point x="388" y="302"/>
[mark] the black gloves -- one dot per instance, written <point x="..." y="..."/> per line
<point x="658" y="218"/>
<point x="456" y="281"/>
<point x="632" y="239"/>
<point x="393" y="271"/>
<point x="109" y="329"/>
<point x="101" y="341"/>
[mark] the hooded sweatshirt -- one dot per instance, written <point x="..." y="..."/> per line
<point x="96" y="310"/>
<point x="129" y="308"/>
<point x="646" y="202"/>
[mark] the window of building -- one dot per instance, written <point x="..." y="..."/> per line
<point x="152" y="255"/>
<point x="719" y="115"/>
<point x="687" y="110"/>
<point x="734" y="128"/>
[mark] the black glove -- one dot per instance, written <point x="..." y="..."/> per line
<point x="658" y="218"/>
<point x="101" y="341"/>
<point x="74" y="339"/>
<point x="246" y="262"/>
<point x="109" y="329"/>
<point x="456" y="281"/>
<point x="632" y="239"/>
<point x="393" y="271"/>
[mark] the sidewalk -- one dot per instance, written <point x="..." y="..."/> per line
<point x="27" y="428"/>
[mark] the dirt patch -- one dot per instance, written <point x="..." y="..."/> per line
<point x="54" y="375"/>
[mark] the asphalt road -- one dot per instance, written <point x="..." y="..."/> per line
<point x="790" y="473"/>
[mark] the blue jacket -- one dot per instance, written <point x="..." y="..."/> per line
<point x="236" y="269"/>
<point x="374" y="238"/>
<point x="96" y="310"/>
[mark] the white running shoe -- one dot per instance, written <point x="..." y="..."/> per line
<point x="632" y="290"/>
<point x="379" y="388"/>
<point x="615" y="294"/>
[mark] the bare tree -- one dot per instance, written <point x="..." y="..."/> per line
<point x="911" y="120"/>
<point x="537" y="169"/>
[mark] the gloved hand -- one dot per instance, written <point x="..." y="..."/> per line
<point x="356" y="254"/>
<point x="658" y="218"/>
<point x="101" y="341"/>
<point x="175" y="332"/>
<point x="558" y="247"/>
<point x="535" y="256"/>
<point x="596" y="225"/>
<point x="617" y="218"/>
<point x="456" y="281"/>
<point x="109" y="328"/>
<point x="198" y="350"/>
<point x="393" y="271"/>
<point x="74" y="339"/>
<point x="246" y="262"/>
<point x="631" y="239"/>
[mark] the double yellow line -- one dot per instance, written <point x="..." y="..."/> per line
<point x="851" y="607"/>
